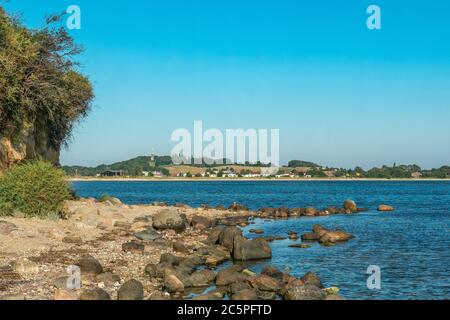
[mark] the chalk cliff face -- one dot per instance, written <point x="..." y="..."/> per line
<point x="27" y="144"/>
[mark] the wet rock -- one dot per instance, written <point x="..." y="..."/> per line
<point x="300" y="246"/>
<point x="293" y="235"/>
<point x="199" y="222"/>
<point x="331" y="290"/>
<point x="246" y="294"/>
<point x="310" y="212"/>
<point x="245" y="249"/>
<point x="313" y="279"/>
<point x="90" y="265"/>
<point x="350" y="205"/>
<point x="305" y="292"/>
<point x="385" y="208"/>
<point x="334" y="297"/>
<point x="131" y="290"/>
<point x="133" y="247"/>
<point x="108" y="278"/>
<point x="295" y="212"/>
<point x="65" y="295"/>
<point x="331" y="237"/>
<point x="230" y="275"/>
<point x="94" y="294"/>
<point x="310" y="236"/>
<point x="264" y="283"/>
<point x="72" y="240"/>
<point x="168" y="219"/>
<point x="24" y="267"/>
<point x="148" y="235"/>
<point x="7" y="227"/>
<point x="256" y="231"/>
<point x="179" y="247"/>
<point x="226" y="237"/>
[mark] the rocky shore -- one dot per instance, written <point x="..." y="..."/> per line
<point x="153" y="252"/>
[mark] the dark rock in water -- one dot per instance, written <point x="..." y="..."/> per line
<point x="230" y="275"/>
<point x="312" y="278"/>
<point x="256" y="231"/>
<point x="350" y="205"/>
<point x="226" y="237"/>
<point x="363" y="210"/>
<point x="133" y="247"/>
<point x="148" y="235"/>
<point x="131" y="290"/>
<point x="305" y="292"/>
<point x="7" y="227"/>
<point x="168" y="219"/>
<point x="179" y="247"/>
<point x="108" y="278"/>
<point x="385" y="208"/>
<point x="293" y="235"/>
<point x="170" y="258"/>
<point x="264" y="283"/>
<point x="199" y="222"/>
<point x="95" y="294"/>
<point x="245" y="249"/>
<point x="246" y="294"/>
<point x="90" y="265"/>
<point x="335" y="236"/>
<point x="300" y="246"/>
<point x="310" y="212"/>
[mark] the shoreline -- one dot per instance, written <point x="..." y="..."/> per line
<point x="94" y="179"/>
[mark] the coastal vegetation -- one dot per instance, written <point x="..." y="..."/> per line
<point x="42" y="92"/>
<point x="34" y="189"/>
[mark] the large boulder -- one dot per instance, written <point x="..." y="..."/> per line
<point x="313" y="279"/>
<point x="264" y="283"/>
<point x="172" y="283"/>
<point x="245" y="249"/>
<point x="90" y="265"/>
<point x="305" y="292"/>
<point x="199" y="222"/>
<point x="227" y="236"/>
<point x="335" y="236"/>
<point x="230" y="275"/>
<point x="168" y="219"/>
<point x="246" y="294"/>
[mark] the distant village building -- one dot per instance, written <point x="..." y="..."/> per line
<point x="416" y="175"/>
<point x="157" y="174"/>
<point x="113" y="173"/>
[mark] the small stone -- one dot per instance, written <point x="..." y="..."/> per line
<point x="148" y="235"/>
<point x="180" y="247"/>
<point x="108" y="278"/>
<point x="90" y="265"/>
<point x="150" y="270"/>
<point x="172" y="283"/>
<point x="131" y="290"/>
<point x="94" y="294"/>
<point x="256" y="231"/>
<point x="72" y="240"/>
<point x="25" y="266"/>
<point x="350" y="205"/>
<point x="65" y="294"/>
<point x="133" y="247"/>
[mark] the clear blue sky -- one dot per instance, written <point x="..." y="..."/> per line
<point x="340" y="94"/>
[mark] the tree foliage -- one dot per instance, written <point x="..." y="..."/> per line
<point x="40" y="86"/>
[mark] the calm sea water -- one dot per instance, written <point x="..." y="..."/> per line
<point x="411" y="245"/>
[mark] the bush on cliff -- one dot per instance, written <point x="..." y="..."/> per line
<point x="36" y="189"/>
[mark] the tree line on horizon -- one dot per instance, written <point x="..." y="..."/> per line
<point x="135" y="167"/>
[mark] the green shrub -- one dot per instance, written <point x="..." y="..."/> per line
<point x="37" y="189"/>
